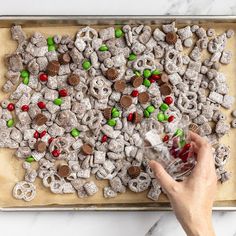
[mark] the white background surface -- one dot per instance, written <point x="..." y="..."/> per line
<point x="109" y="223"/>
<point x="117" y="7"/>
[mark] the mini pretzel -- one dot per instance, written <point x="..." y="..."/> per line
<point x="144" y="62"/>
<point x="56" y="186"/>
<point x="92" y="119"/>
<point x="173" y="61"/>
<point x="25" y="191"/>
<point x="99" y="88"/>
<point x="187" y="102"/>
<point x="50" y="177"/>
<point x="141" y="183"/>
<point x="87" y="34"/>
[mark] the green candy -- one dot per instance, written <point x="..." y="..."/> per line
<point x="86" y="65"/>
<point x="25" y="80"/>
<point x="30" y="159"/>
<point x="75" y="132"/>
<point x="146" y="113"/>
<point x="150" y="109"/>
<point x="119" y="33"/>
<point x="156" y="72"/>
<point x="111" y="122"/>
<point x="103" y="48"/>
<point x="51" y="48"/>
<point x="132" y="57"/>
<point x="57" y="101"/>
<point x="182" y="143"/>
<point x="24" y="73"/>
<point x="10" y="123"/>
<point x="50" y="41"/>
<point x="179" y="132"/>
<point x="161" y="117"/>
<point x="166" y="117"/>
<point x="114" y="109"/>
<point x="146" y="83"/>
<point x="137" y="73"/>
<point x="115" y="114"/>
<point x="147" y="73"/>
<point x="164" y="107"/>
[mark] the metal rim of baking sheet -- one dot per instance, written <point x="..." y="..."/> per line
<point x="49" y="20"/>
<point x="112" y="207"/>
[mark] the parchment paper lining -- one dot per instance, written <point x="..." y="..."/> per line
<point x="12" y="172"/>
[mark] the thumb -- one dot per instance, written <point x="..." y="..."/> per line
<point x="163" y="178"/>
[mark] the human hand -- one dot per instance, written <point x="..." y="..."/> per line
<point x="192" y="199"/>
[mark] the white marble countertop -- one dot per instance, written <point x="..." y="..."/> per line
<point x="109" y="223"/>
<point x="118" y="7"/>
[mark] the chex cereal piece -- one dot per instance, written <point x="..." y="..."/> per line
<point x="91" y="188"/>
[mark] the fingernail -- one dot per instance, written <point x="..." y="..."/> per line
<point x="150" y="163"/>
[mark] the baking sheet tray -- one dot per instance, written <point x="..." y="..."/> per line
<point x="50" y="25"/>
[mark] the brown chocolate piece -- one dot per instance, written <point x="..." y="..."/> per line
<point x="119" y="85"/>
<point x="165" y="89"/>
<point x="87" y="149"/>
<point x="112" y="73"/>
<point x="40" y="146"/>
<point x="194" y="128"/>
<point x="136" y="81"/>
<point x="164" y="79"/>
<point x="134" y="171"/>
<point x="107" y="113"/>
<point x="40" y="119"/>
<point x="126" y="101"/>
<point x="64" y="58"/>
<point x="73" y="79"/>
<point x="143" y="97"/>
<point x="64" y="171"/>
<point x="53" y="68"/>
<point x="171" y="38"/>
<point x="137" y="118"/>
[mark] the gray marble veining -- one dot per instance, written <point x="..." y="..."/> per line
<point x="121" y="7"/>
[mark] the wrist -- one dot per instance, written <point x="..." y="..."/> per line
<point x="200" y="228"/>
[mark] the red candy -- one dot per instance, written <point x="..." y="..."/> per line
<point x="166" y="138"/>
<point x="41" y="105"/>
<point x="42" y="133"/>
<point x="168" y="100"/>
<point x="50" y="140"/>
<point x="187" y="146"/>
<point x="43" y="77"/>
<point x="63" y="93"/>
<point x="36" y="134"/>
<point x="10" y="107"/>
<point x="152" y="80"/>
<point x="184" y="153"/>
<point x="174" y="152"/>
<point x="135" y="93"/>
<point x="155" y="77"/>
<point x="25" y="108"/>
<point x="171" y="118"/>
<point x="56" y="153"/>
<point x="130" y="117"/>
<point x="104" y="138"/>
<point x="184" y="157"/>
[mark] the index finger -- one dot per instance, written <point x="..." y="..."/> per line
<point x="202" y="148"/>
<point x="205" y="162"/>
<point x="197" y="139"/>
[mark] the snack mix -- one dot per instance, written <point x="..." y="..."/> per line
<point x="88" y="105"/>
